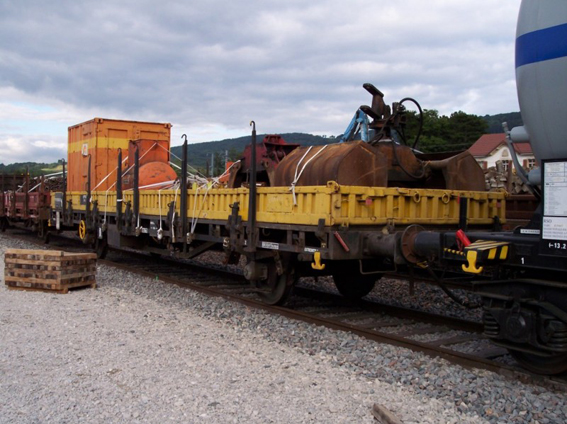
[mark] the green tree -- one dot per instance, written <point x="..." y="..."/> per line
<point x="219" y="163"/>
<point x="442" y="133"/>
<point x="234" y="154"/>
<point x="514" y="119"/>
<point x="465" y="129"/>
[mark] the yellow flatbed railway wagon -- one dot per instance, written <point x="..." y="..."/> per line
<point x="315" y="230"/>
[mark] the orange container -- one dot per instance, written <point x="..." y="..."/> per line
<point x="101" y="139"/>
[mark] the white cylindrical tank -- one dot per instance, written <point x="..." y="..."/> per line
<point x="541" y="75"/>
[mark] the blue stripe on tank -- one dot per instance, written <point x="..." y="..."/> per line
<point x="541" y="45"/>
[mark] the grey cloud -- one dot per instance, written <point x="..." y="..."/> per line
<point x="292" y="65"/>
<point x="34" y="148"/>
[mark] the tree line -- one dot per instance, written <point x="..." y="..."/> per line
<point x="441" y="133"/>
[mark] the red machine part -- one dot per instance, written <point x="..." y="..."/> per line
<point x="462" y="239"/>
<point x="269" y="154"/>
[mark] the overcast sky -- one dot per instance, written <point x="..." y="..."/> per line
<point x="210" y="67"/>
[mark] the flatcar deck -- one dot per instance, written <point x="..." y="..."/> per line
<point x="337" y="205"/>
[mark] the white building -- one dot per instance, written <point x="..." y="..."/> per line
<point x="491" y="148"/>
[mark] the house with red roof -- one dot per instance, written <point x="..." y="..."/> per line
<point x="491" y="148"/>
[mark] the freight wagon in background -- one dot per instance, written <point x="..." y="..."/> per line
<point x="353" y="210"/>
<point x="24" y="201"/>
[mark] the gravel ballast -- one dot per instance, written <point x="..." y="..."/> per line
<point x="139" y="350"/>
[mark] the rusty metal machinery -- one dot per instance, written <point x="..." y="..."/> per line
<point x="385" y="164"/>
<point x="269" y="154"/>
<point x="384" y="161"/>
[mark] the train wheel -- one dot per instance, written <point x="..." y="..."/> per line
<point x="276" y="289"/>
<point x="350" y="283"/>
<point x="83" y="230"/>
<point x="547" y="365"/>
<point x="3" y="224"/>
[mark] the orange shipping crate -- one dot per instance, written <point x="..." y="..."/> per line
<point x="101" y="138"/>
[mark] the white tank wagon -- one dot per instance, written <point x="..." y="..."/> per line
<point x="541" y="77"/>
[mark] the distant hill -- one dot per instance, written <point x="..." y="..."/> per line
<point x="34" y="169"/>
<point x="199" y="153"/>
<point x="514" y="119"/>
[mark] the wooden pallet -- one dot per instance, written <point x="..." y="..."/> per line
<point x="48" y="270"/>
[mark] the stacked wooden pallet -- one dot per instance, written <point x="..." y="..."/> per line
<point x="48" y="270"/>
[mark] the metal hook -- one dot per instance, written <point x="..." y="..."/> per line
<point x="253" y="125"/>
<point x="184" y="135"/>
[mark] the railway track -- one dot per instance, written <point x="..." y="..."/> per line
<point x="432" y="334"/>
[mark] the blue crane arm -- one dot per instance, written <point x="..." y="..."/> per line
<point x="358" y="123"/>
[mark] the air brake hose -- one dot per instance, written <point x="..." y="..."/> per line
<point x="463" y="302"/>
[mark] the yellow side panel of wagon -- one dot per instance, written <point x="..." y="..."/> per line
<point x="337" y="205"/>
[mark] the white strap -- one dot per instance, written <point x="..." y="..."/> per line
<point x="298" y="175"/>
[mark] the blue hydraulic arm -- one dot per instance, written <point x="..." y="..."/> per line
<point x="359" y="123"/>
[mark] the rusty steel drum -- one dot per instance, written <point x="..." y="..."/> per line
<point x="355" y="163"/>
